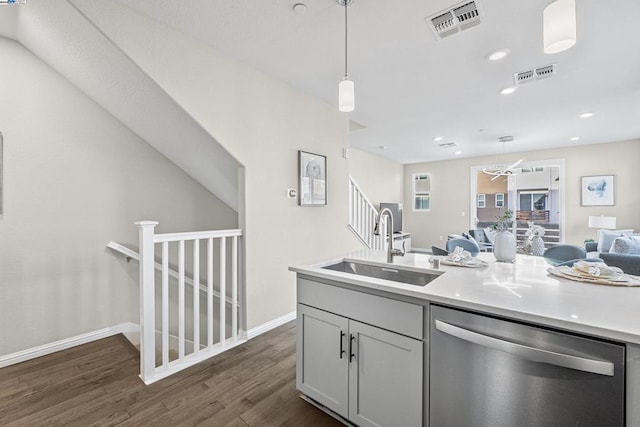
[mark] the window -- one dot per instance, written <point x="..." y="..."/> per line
<point x="499" y="200"/>
<point x="533" y="201"/>
<point x="482" y="200"/>
<point x="421" y="192"/>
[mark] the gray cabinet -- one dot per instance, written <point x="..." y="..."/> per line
<point x="367" y="374"/>
<point x="323" y="362"/>
<point x="385" y="378"/>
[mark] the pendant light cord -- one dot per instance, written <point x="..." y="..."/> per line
<point x="346" y="75"/>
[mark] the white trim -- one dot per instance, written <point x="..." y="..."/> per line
<point x="272" y="324"/>
<point x="129" y="330"/>
<point x="417" y="194"/>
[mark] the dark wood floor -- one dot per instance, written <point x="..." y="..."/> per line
<point x="98" y="384"/>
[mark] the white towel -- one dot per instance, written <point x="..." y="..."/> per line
<point x="596" y="269"/>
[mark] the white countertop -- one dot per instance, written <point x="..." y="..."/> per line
<point x="522" y="290"/>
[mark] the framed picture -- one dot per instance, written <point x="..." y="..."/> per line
<point x="312" y="170"/>
<point x="597" y="190"/>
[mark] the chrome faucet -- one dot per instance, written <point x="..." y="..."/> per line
<point x="376" y="231"/>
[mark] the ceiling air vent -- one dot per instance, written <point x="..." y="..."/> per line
<point x="454" y="19"/>
<point x="535" y="74"/>
<point x="447" y="145"/>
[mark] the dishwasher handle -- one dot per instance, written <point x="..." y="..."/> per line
<point x="530" y="353"/>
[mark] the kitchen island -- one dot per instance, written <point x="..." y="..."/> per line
<point x="522" y="293"/>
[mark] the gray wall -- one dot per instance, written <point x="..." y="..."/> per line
<point x="74" y="179"/>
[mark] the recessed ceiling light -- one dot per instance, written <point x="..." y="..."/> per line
<point x="382" y="147"/>
<point x="508" y="90"/>
<point x="499" y="54"/>
<point x="575" y="138"/>
<point x="457" y="153"/>
<point x="437" y="138"/>
<point x="300" y="8"/>
<point x="585" y="115"/>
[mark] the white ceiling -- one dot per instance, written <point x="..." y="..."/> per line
<point x="411" y="87"/>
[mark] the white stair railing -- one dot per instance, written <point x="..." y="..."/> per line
<point x="212" y="345"/>
<point x="133" y="255"/>
<point x="362" y="218"/>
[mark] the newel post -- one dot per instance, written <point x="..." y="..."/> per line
<point x="147" y="300"/>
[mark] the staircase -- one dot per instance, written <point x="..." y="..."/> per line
<point x="362" y="219"/>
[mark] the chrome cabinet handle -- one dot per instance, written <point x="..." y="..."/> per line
<point x="530" y="353"/>
<point x="342" y="334"/>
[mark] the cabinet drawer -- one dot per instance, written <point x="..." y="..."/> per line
<point x="397" y="316"/>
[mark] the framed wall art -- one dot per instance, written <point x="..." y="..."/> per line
<point x="597" y="190"/>
<point x="312" y="170"/>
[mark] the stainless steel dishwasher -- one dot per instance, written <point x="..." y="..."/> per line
<point x="492" y="372"/>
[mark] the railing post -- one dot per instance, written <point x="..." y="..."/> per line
<point x="147" y="300"/>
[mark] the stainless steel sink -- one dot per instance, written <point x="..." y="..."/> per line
<point x="387" y="273"/>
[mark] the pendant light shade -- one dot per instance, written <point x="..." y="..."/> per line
<point x="346" y="88"/>
<point x="346" y="96"/>
<point x="559" y="26"/>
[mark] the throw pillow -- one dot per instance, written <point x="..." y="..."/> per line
<point x="629" y="245"/>
<point x="606" y="238"/>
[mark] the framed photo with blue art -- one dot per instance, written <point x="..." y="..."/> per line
<point x="313" y="179"/>
<point x="598" y="190"/>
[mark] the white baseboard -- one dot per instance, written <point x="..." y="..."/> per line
<point x="129" y="330"/>
<point x="272" y="324"/>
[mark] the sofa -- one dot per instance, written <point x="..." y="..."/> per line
<point x="617" y="248"/>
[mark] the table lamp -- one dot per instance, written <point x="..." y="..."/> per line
<point x="602" y="223"/>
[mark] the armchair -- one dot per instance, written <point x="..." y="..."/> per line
<point x="485" y="242"/>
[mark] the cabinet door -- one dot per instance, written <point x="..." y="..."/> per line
<point x="385" y="378"/>
<point x="322" y="365"/>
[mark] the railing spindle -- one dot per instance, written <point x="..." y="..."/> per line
<point x="165" y="304"/>
<point x="210" y="292"/>
<point x="181" y="315"/>
<point x="234" y="288"/>
<point x="223" y="297"/>
<point x="196" y="295"/>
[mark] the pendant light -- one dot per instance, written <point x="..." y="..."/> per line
<point x="559" y="26"/>
<point x="346" y="88"/>
<point x="498" y="170"/>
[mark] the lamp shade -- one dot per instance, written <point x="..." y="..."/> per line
<point x="559" y="26"/>
<point x="346" y="96"/>
<point x="605" y="222"/>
